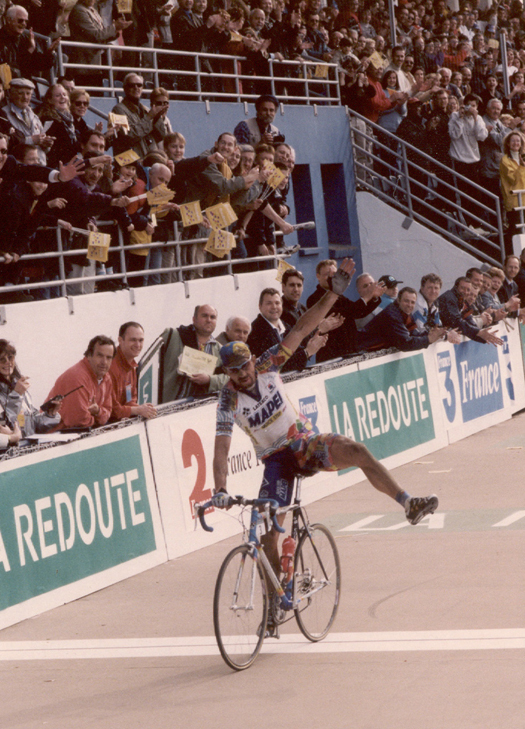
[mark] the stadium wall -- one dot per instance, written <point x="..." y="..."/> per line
<point x="81" y="516"/>
<point x="393" y="244"/>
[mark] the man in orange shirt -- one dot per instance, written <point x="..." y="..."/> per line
<point x="123" y="373"/>
<point x="91" y="403"/>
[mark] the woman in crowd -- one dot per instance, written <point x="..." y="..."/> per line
<point x="390" y="121"/>
<point x="17" y="411"/>
<point x="56" y="110"/>
<point x="512" y="175"/>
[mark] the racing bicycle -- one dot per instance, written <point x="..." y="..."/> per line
<point x="243" y="611"/>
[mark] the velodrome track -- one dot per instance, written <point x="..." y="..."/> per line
<point x="430" y="632"/>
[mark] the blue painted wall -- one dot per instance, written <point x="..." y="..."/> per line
<point x="321" y="138"/>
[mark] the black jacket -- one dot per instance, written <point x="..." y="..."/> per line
<point x="342" y="341"/>
<point x="389" y="329"/>
<point x="263" y="336"/>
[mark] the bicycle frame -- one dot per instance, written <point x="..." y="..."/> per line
<point x="257" y="550"/>
<point x="250" y="601"/>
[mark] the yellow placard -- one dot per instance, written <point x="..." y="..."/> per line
<point x="493" y="43"/>
<point x="98" y="245"/>
<point x="160" y="194"/>
<point x="221" y="215"/>
<point x="220" y="243"/>
<point x="377" y="60"/>
<point x="282" y="266"/>
<point x="191" y="213"/>
<point x="276" y="178"/>
<point x="321" y="71"/>
<point x="127" y="158"/>
<point x="120" y="120"/>
<point x="124" y="6"/>
<point x="5" y="75"/>
<point x="194" y="362"/>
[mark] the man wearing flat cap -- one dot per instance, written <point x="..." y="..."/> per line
<point x="28" y="127"/>
<point x="260" y="127"/>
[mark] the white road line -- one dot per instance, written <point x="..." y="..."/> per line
<point x="426" y="640"/>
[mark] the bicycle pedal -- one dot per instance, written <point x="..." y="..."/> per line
<point x="272" y="631"/>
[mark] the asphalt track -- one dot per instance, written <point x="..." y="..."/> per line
<point x="430" y="633"/>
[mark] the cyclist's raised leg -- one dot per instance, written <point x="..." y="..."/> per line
<point x="346" y="453"/>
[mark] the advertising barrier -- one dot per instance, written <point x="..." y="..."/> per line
<point x="75" y="519"/>
<point x="480" y="384"/>
<point x="81" y="516"/>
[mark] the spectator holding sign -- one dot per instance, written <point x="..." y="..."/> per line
<point x="197" y="336"/>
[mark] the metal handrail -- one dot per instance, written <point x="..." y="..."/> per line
<point x="408" y="182"/>
<point x="157" y="69"/>
<point x="227" y="264"/>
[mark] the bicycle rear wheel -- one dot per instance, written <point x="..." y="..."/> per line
<point x="317" y="582"/>
<point x="240" y="608"/>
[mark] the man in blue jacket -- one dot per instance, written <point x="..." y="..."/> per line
<point x="395" y="327"/>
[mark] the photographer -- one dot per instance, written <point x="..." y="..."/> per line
<point x="466" y="128"/>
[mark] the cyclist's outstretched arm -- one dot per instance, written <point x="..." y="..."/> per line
<point x="220" y="461"/>
<point x="314" y="316"/>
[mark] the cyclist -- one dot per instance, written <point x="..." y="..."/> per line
<point x="283" y="438"/>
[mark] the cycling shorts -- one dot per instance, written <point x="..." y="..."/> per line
<point x="305" y="456"/>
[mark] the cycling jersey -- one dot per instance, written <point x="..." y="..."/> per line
<point x="266" y="415"/>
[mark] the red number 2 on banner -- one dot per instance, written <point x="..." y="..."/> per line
<point x="192" y="447"/>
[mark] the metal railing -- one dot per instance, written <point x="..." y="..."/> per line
<point x="62" y="284"/>
<point x="427" y="191"/>
<point x="159" y="67"/>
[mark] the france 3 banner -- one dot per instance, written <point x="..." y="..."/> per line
<point x="480" y="384"/>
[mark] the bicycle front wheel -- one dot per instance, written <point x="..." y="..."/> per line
<point x="240" y="608"/>
<point x="317" y="582"/>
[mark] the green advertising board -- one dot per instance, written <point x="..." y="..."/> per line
<point x="386" y="407"/>
<point x="71" y="517"/>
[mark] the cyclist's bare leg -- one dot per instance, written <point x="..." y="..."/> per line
<point x="346" y="453"/>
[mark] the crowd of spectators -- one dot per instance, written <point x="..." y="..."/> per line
<point x="440" y="86"/>
<point x="147" y="154"/>
<point x="102" y="387"/>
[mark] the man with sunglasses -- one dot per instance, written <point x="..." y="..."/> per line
<point x="18" y="47"/>
<point x="255" y="399"/>
<point x="146" y="126"/>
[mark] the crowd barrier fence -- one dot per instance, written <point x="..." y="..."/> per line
<point x="80" y="516"/>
